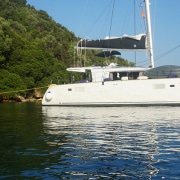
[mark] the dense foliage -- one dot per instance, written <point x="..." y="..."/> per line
<point x="34" y="49"/>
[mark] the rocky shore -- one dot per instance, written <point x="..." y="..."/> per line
<point x="19" y="99"/>
<point x="35" y="96"/>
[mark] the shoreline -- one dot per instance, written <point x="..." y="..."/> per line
<point x="21" y="101"/>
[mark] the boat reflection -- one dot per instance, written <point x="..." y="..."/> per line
<point x="114" y="141"/>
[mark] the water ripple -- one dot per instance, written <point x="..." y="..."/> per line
<point x="91" y="143"/>
<point x="116" y="143"/>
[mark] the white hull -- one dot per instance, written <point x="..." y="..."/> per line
<point x="110" y="93"/>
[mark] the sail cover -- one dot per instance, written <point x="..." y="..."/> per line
<point x="125" y="42"/>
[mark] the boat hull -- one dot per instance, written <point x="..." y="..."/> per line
<point x="113" y="93"/>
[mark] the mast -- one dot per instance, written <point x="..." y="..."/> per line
<point x="149" y="33"/>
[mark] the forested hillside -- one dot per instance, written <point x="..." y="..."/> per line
<point x="34" y="49"/>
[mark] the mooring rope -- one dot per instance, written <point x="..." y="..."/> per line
<point x="23" y="90"/>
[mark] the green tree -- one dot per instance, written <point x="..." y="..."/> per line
<point x="19" y="2"/>
<point x="10" y="82"/>
<point x="5" y="41"/>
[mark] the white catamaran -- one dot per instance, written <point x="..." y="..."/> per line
<point x="113" y="85"/>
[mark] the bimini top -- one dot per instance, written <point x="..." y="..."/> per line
<point x="167" y="71"/>
<point x="110" y="68"/>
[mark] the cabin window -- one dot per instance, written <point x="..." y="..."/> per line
<point x="118" y="75"/>
<point x="123" y="74"/>
<point x="133" y="75"/>
<point x="81" y="77"/>
<point x="88" y="76"/>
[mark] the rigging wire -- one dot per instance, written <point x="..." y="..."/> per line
<point x="90" y="29"/>
<point x="139" y="14"/>
<point x="135" y="55"/>
<point x="111" y="18"/>
<point x="143" y="16"/>
<point x="154" y="20"/>
<point x="157" y="58"/>
<point x="167" y="52"/>
<point x="126" y="18"/>
<point x="99" y="18"/>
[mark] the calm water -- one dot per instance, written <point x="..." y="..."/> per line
<point x="89" y="142"/>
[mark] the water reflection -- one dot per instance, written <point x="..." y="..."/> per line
<point x="114" y="142"/>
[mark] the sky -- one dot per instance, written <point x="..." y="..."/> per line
<point x="94" y="19"/>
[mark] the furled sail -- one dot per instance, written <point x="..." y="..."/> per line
<point x="125" y="42"/>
